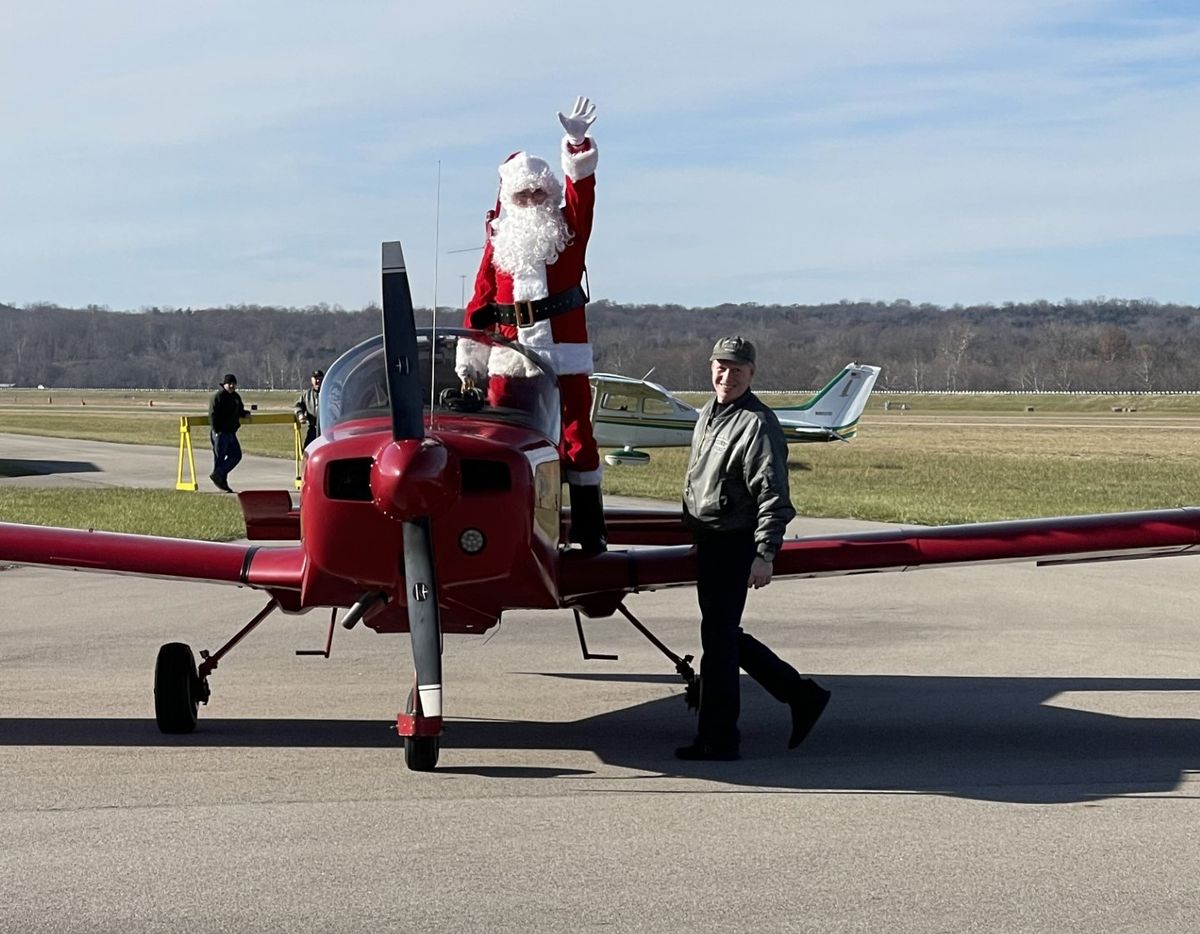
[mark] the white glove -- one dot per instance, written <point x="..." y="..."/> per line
<point x="471" y="360"/>
<point x="579" y="120"/>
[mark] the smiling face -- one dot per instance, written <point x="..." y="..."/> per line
<point x="731" y="379"/>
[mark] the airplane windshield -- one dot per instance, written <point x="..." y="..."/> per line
<point x="355" y="387"/>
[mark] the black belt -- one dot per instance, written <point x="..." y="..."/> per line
<point x="524" y="314"/>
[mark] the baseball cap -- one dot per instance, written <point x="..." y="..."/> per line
<point x="734" y="349"/>
<point x="228" y="378"/>
<point x="318" y="374"/>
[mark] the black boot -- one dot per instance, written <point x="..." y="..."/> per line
<point x="807" y="703"/>
<point x="587" y="519"/>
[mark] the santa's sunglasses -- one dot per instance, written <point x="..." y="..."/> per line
<point x="524" y="199"/>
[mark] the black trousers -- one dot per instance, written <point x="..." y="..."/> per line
<point x="723" y="568"/>
<point x="227" y="452"/>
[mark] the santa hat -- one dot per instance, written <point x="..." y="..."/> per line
<point x="522" y="172"/>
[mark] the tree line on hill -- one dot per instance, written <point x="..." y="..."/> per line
<point x="1098" y="345"/>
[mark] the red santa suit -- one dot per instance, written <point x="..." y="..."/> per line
<point x="552" y="289"/>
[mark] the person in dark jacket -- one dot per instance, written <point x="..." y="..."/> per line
<point x="307" y="408"/>
<point x="225" y="413"/>
<point x="737" y="504"/>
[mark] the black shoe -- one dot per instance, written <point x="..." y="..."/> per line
<point x="707" y="752"/>
<point x="218" y="482"/>
<point x="806" y="711"/>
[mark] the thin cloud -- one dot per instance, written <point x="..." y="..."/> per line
<point x="220" y="153"/>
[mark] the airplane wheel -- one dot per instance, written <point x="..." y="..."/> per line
<point x="421" y="752"/>
<point x="176" y="688"/>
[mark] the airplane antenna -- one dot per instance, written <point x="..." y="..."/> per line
<point x="437" y="246"/>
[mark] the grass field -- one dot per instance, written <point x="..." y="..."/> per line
<point x="145" y="512"/>
<point x="943" y="459"/>
<point x="126" y="416"/>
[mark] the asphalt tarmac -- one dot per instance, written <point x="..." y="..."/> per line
<point x="1008" y="748"/>
<point x="28" y="460"/>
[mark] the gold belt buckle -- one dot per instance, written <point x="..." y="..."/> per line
<point x="523" y="312"/>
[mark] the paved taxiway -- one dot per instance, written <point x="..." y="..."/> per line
<point x="28" y="460"/>
<point x="1007" y="749"/>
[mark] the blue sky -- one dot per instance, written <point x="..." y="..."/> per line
<point x="195" y="154"/>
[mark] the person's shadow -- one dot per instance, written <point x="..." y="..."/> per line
<point x="986" y="738"/>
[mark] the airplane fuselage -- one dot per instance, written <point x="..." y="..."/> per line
<point x="496" y="535"/>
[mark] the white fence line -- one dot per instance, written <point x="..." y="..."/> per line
<point x="986" y="392"/>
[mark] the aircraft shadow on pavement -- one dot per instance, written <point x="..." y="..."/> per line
<point x="991" y="739"/>
<point x="39" y="468"/>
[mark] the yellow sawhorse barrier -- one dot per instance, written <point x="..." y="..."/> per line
<point x="187" y="456"/>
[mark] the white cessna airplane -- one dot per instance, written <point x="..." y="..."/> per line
<point x="636" y="413"/>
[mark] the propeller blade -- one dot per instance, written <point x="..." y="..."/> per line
<point x="424" y="620"/>
<point x="400" y="347"/>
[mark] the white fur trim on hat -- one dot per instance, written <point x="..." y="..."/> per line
<point x="523" y="172"/>
<point x="577" y="165"/>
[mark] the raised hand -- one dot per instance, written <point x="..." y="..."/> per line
<point x="578" y="121"/>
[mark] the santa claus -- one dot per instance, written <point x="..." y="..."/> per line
<point x="529" y="288"/>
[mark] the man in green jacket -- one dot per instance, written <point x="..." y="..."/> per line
<point x="737" y="504"/>
<point x="225" y="414"/>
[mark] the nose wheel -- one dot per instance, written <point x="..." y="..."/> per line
<point x="421" y="753"/>
<point x="421" y="734"/>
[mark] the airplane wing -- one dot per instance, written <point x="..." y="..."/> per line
<point x="1052" y="541"/>
<point x="153" y="556"/>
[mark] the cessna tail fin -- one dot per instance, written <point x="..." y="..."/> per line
<point x="838" y="407"/>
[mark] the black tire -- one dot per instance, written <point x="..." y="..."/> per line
<point x="176" y="688"/>
<point x="421" y="752"/>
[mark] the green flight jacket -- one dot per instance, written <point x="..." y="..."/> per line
<point x="737" y="476"/>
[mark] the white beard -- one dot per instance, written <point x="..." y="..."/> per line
<point x="526" y="241"/>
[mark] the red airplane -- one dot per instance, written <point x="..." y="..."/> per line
<point x="438" y="518"/>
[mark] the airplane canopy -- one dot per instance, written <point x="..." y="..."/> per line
<point x="355" y="386"/>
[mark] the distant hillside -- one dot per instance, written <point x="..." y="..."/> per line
<point x="1105" y="344"/>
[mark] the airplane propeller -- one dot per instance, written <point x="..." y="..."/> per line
<point x="400" y="348"/>
<point x="408" y="431"/>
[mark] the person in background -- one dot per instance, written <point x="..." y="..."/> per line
<point x="737" y="505"/>
<point x="308" y="409"/>
<point x="225" y="414"/>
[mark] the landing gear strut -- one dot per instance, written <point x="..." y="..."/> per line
<point x="180" y="687"/>
<point x="683" y="665"/>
